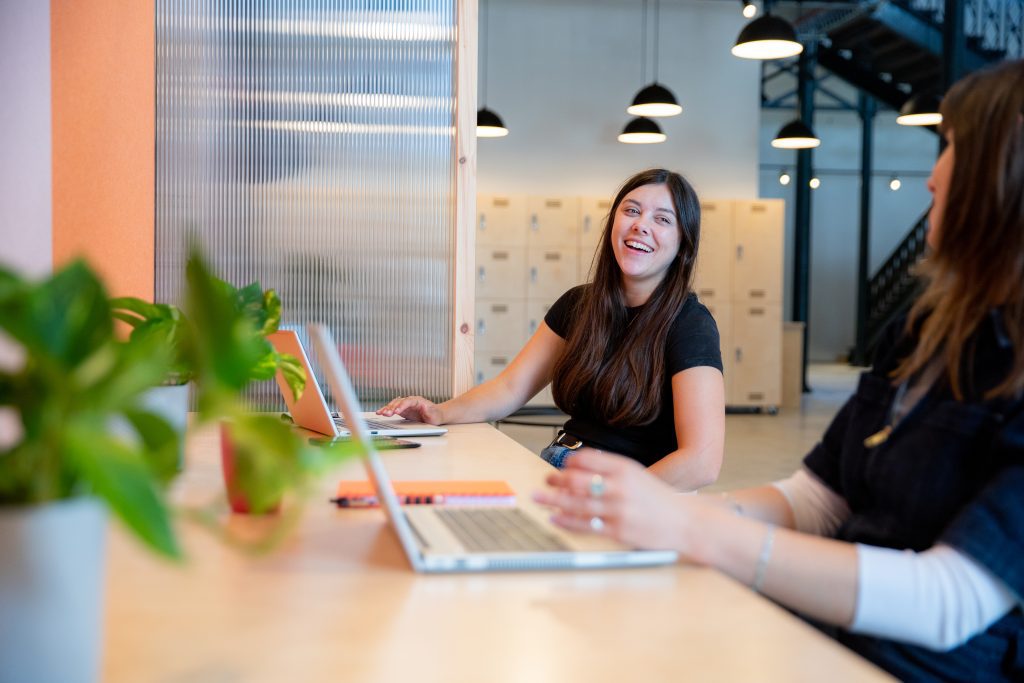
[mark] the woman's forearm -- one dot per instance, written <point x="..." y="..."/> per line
<point x="485" y="402"/>
<point x="815" y="576"/>
<point x="688" y="469"/>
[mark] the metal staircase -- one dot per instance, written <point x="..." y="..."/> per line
<point x="892" y="50"/>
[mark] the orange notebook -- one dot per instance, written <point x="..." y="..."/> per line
<point x="361" y="494"/>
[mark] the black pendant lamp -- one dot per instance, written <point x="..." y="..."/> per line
<point x="488" y="124"/>
<point x="795" y="135"/>
<point x="767" y="37"/>
<point x="641" y="131"/>
<point x="654" y="99"/>
<point x="921" y="109"/>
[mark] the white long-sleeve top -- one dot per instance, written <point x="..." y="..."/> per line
<point x="939" y="598"/>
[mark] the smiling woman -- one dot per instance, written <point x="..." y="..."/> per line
<point x="633" y="357"/>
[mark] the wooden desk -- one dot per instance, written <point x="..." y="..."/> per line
<point x="339" y="603"/>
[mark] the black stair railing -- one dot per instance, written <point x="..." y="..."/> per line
<point x="895" y="285"/>
<point x="994" y="28"/>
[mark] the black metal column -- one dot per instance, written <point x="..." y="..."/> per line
<point x="802" y="208"/>
<point x="954" y="43"/>
<point x="867" y="107"/>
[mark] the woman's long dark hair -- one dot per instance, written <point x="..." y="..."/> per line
<point x="625" y="386"/>
<point x="978" y="262"/>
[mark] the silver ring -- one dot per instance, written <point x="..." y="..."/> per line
<point x="596" y="524"/>
<point x="597" y="486"/>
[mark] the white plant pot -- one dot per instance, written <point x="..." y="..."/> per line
<point x="51" y="591"/>
<point x="170" y="403"/>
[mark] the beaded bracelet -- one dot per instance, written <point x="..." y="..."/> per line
<point x="762" y="561"/>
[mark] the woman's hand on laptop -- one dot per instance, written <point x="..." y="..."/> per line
<point x="415" y="408"/>
<point x="616" y="496"/>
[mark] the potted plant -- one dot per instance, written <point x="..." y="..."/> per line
<point x="74" y="442"/>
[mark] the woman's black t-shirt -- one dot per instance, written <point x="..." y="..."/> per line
<point x="692" y="341"/>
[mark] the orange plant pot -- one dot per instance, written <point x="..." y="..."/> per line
<point x="237" y="498"/>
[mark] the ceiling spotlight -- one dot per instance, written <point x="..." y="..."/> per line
<point x="489" y="125"/>
<point x="749" y="9"/>
<point x="767" y="37"/>
<point x="784" y="177"/>
<point x="815" y="183"/>
<point x="921" y="109"/>
<point x="641" y="131"/>
<point x="894" y="183"/>
<point x="795" y="135"/>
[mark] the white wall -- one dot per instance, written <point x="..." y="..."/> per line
<point x="835" y="212"/>
<point x="562" y="72"/>
<point x="25" y="149"/>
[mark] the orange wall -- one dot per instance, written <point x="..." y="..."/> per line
<point x="104" y="132"/>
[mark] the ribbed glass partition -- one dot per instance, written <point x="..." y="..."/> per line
<point x="309" y="145"/>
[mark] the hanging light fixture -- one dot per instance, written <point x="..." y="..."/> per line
<point x="654" y="99"/>
<point x="641" y="131"/>
<point x="767" y="37"/>
<point x="815" y="183"/>
<point x="795" y="135"/>
<point x="749" y="9"/>
<point x="894" y="183"/>
<point x="921" y="109"/>
<point x="784" y="177"/>
<point x="488" y="124"/>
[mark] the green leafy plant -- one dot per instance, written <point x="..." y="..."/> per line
<point x="73" y="394"/>
<point x="229" y="350"/>
<point x="213" y="299"/>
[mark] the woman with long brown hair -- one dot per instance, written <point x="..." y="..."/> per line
<point x="633" y="356"/>
<point x="903" y="534"/>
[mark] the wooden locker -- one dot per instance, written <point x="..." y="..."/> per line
<point x="552" y="222"/>
<point x="722" y="313"/>
<point x="550" y="271"/>
<point x="757" y="360"/>
<point x="536" y="309"/>
<point x="713" y="279"/>
<point x="500" y="272"/>
<point x="501" y="220"/>
<point x="758" y="235"/>
<point x="593" y="215"/>
<point x="500" y="323"/>
<point x="489" y="364"/>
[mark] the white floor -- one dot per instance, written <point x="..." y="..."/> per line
<point x="758" y="448"/>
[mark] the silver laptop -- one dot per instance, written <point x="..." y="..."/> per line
<point x="472" y="539"/>
<point x="311" y="412"/>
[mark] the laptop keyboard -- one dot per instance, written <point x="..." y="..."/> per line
<point x="372" y="424"/>
<point x="498" y="530"/>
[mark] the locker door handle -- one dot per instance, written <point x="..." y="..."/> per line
<point x="757" y="294"/>
<point x="533" y="222"/>
<point x="480" y="377"/>
<point x="739" y="252"/>
<point x="481" y="326"/>
<point x="483" y="222"/>
<point x="739" y="354"/>
<point x="586" y="224"/>
<point x="533" y="326"/>
<point x="533" y="275"/>
<point x="481" y="274"/>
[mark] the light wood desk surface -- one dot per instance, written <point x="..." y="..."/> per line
<point x="338" y="602"/>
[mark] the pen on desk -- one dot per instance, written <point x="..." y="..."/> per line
<point x="371" y="501"/>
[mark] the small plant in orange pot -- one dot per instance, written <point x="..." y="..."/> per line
<point x="262" y="457"/>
